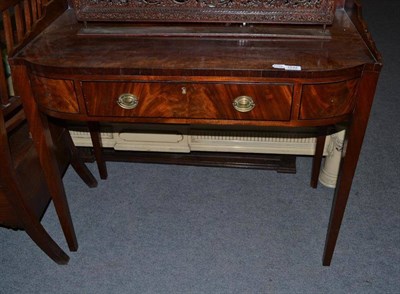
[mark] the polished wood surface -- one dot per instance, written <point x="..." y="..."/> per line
<point x="39" y="128"/>
<point x="353" y="143"/>
<point x="195" y="56"/>
<point x="52" y="94"/>
<point x="188" y="100"/>
<point x="190" y="80"/>
<point x="328" y="100"/>
<point x="25" y="187"/>
<point x="24" y="196"/>
<point x="205" y="67"/>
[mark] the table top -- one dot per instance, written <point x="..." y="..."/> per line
<point x="61" y="49"/>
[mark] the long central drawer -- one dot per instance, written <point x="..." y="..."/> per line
<point x="233" y="101"/>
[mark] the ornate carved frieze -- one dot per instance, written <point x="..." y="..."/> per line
<point x="227" y="11"/>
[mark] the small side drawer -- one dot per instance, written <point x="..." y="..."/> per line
<point x="135" y="99"/>
<point x="56" y="95"/>
<point x="241" y="101"/>
<point x="328" y="100"/>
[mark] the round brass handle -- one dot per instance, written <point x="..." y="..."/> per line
<point x="128" y="101"/>
<point x="243" y="103"/>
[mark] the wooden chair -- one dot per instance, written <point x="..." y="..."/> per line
<point x="24" y="193"/>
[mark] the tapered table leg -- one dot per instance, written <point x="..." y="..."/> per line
<point x="77" y="163"/>
<point x="351" y="151"/>
<point x="317" y="160"/>
<point x="94" y="130"/>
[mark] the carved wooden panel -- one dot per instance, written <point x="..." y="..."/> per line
<point x="226" y="11"/>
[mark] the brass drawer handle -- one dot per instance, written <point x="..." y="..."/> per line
<point x="243" y="103"/>
<point x="128" y="101"/>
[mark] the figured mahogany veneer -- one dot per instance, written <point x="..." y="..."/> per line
<point x="57" y="95"/>
<point x="195" y="80"/>
<point x="215" y="101"/>
<point x="155" y="99"/>
<point x="328" y="100"/>
<point x="189" y="100"/>
<point x="183" y="100"/>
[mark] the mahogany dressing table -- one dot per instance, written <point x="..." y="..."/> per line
<point x="301" y="66"/>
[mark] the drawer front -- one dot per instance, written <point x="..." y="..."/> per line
<point x="328" y="100"/>
<point x="135" y="99"/>
<point x="248" y="101"/>
<point x="56" y="95"/>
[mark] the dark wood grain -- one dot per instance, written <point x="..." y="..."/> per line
<point x="192" y="80"/>
<point x="58" y="95"/>
<point x="95" y="135"/>
<point x="194" y="56"/>
<point x="23" y="193"/>
<point x="20" y="16"/>
<point x="155" y="99"/>
<point x="214" y="101"/>
<point x="328" y="100"/>
<point x="189" y="100"/>
<point x="353" y="143"/>
<point x="39" y="128"/>
<point x="317" y="159"/>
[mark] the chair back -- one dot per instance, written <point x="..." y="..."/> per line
<point x="20" y="172"/>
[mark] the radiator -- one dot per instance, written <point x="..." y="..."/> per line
<point x="184" y="139"/>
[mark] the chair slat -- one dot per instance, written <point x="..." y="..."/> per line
<point x="19" y="23"/>
<point x="34" y="10"/>
<point x="8" y="31"/>
<point x="40" y="8"/>
<point x="28" y="18"/>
